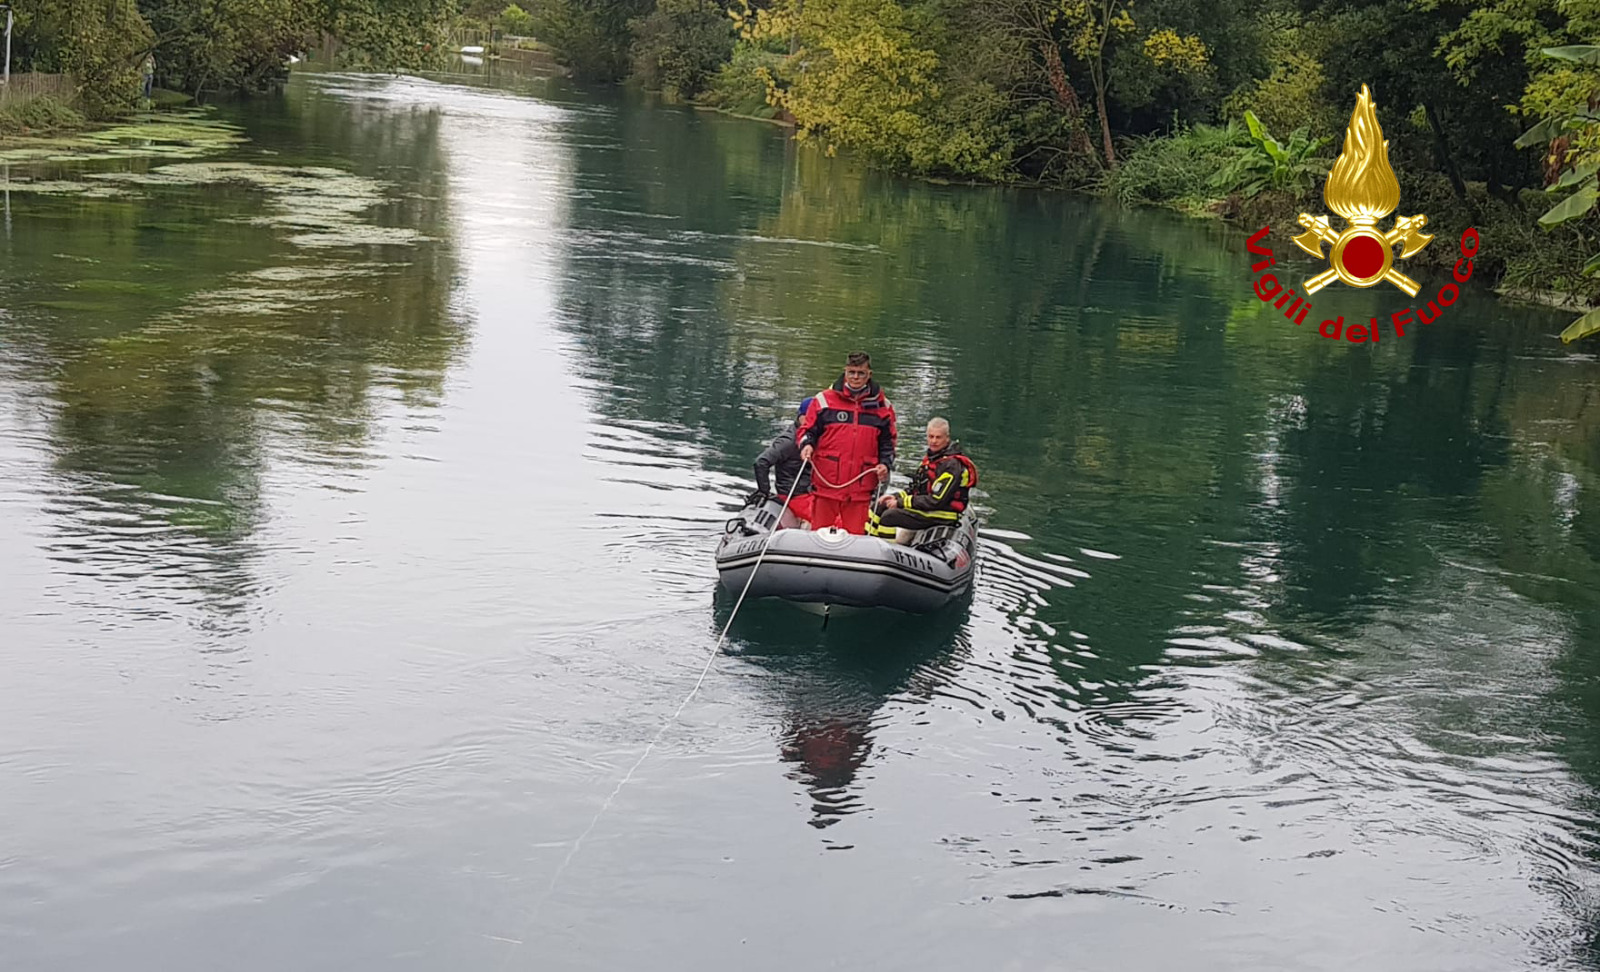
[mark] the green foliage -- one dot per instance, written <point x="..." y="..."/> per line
<point x="1565" y="98"/>
<point x="860" y="77"/>
<point x="681" y="45"/>
<point x="1178" y="170"/>
<point x="1164" y="69"/>
<point x="1206" y="168"/>
<point x="592" y="37"/>
<point x="1404" y="50"/>
<point x="210" y="45"/>
<point x="236" y="45"/>
<point x="740" y="85"/>
<point x="515" y="21"/>
<point x="1291" y="167"/>
<point x="1291" y="95"/>
<point x="98" y="42"/>
<point x="39" y="116"/>
<point x="390" y="35"/>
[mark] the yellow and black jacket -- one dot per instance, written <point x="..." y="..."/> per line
<point x="941" y="485"/>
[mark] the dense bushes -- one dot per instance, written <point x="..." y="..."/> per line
<point x="681" y="45"/>
<point x="39" y="116"/>
<point x="212" y="45"/>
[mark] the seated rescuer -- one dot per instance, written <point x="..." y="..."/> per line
<point x="938" y="491"/>
<point x="782" y="460"/>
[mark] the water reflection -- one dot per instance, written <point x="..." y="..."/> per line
<point x="1255" y="611"/>
<point x="192" y="349"/>
<point x="830" y="680"/>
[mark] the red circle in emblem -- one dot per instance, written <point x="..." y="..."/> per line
<point x="1363" y="257"/>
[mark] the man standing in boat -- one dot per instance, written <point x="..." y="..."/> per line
<point x="938" y="491"/>
<point x="848" y="435"/>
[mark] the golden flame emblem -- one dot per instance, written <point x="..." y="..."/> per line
<point x="1363" y="189"/>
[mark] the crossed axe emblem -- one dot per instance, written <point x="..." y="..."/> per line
<point x="1405" y="233"/>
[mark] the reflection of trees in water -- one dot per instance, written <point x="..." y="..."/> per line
<point x="828" y="685"/>
<point x="647" y="253"/>
<point x="1116" y="380"/>
<point x="1121" y="389"/>
<point x="1370" y="450"/>
<point x="169" y="405"/>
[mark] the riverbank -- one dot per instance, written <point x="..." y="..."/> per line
<point x="43" y="115"/>
<point x="53" y="116"/>
<point x="1179" y="174"/>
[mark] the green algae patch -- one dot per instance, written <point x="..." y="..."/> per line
<point x="319" y="207"/>
<point x="174" y="135"/>
<point x="126" y="287"/>
<point x="307" y="274"/>
<point x="65" y="187"/>
<point x="279" y="291"/>
<point x="79" y="306"/>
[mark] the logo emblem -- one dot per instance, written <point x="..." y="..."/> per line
<point x="844" y="416"/>
<point x="1363" y="189"/>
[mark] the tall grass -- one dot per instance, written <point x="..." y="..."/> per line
<point x="38" y="116"/>
<point x="33" y="104"/>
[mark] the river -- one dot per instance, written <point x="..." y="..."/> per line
<point x="360" y="475"/>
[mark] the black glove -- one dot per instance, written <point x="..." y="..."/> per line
<point x="756" y="497"/>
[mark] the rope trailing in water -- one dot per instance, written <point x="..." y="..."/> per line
<point x="710" y="657"/>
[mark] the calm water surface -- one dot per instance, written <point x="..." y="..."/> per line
<point x="356" y="532"/>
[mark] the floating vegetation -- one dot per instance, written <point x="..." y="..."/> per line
<point x="93" y="285"/>
<point x="298" y="274"/>
<point x="87" y="306"/>
<point x="323" y="203"/>
<point x="64" y="187"/>
<point x="174" y="135"/>
<point x="320" y="206"/>
<point x="279" y="290"/>
<point x="257" y="301"/>
<point x="311" y="209"/>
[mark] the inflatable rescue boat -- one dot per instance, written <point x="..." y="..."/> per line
<point x="834" y="567"/>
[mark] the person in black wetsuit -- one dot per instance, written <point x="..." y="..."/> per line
<point x="781" y="462"/>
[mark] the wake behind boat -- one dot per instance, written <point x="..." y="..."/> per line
<point x="834" y="567"/>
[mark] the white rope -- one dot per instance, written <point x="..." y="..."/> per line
<point x="710" y="657"/>
<point x="859" y="476"/>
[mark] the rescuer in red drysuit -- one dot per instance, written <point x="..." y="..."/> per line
<point x="848" y="435"/>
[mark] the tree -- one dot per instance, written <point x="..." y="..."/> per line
<point x="227" y="44"/>
<point x="1091" y="27"/>
<point x="1395" y="46"/>
<point x="1032" y="28"/>
<point x="681" y="44"/>
<point x="592" y="37"/>
<point x="857" y="76"/>
<point x="100" y="43"/>
<point x="516" y="21"/>
<point x="1567" y="99"/>
<point x="391" y="34"/>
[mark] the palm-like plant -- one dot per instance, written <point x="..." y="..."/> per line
<point x="1292" y="166"/>
<point x="1571" y="136"/>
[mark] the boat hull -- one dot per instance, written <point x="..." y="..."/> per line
<point x="837" y="568"/>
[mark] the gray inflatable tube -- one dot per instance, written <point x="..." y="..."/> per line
<point x="834" y="567"/>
